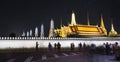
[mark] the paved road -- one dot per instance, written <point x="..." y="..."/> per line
<point x="81" y="58"/>
<point x="55" y="57"/>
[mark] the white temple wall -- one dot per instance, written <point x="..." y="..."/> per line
<point x="44" y="43"/>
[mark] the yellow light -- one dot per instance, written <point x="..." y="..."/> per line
<point x="90" y="29"/>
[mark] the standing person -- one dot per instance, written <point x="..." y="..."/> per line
<point x="93" y="47"/>
<point x="50" y="46"/>
<point x="107" y="48"/>
<point x="80" y="46"/>
<point x="55" y="46"/>
<point x="111" y="48"/>
<point x="117" y="51"/>
<point x="115" y="47"/>
<point x="116" y="44"/>
<point x="58" y="46"/>
<point x="104" y="48"/>
<point x="72" y="46"/>
<point x="84" y="47"/>
<point x="36" y="46"/>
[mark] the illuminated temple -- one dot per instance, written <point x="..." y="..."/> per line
<point x="75" y="30"/>
<point x="78" y="30"/>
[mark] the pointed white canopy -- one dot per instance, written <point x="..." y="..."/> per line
<point x="73" y="21"/>
<point x="42" y="31"/>
<point x="30" y="32"/>
<point x="36" y="32"/>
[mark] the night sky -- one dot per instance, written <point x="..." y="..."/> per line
<point x="22" y="15"/>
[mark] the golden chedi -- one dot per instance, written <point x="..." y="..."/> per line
<point x="112" y="32"/>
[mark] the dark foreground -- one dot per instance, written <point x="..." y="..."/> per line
<point x="65" y="55"/>
<point x="83" y="53"/>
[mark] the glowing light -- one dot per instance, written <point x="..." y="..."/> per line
<point x="93" y="29"/>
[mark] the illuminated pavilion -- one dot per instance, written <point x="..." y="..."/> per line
<point x="78" y="30"/>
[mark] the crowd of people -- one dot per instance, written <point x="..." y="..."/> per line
<point x="57" y="46"/>
<point x="109" y="48"/>
<point x="106" y="48"/>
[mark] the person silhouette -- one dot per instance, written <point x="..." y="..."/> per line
<point x="50" y="46"/>
<point x="55" y="46"/>
<point x="58" y="46"/>
<point x="36" y="46"/>
<point x="72" y="46"/>
<point x="80" y="46"/>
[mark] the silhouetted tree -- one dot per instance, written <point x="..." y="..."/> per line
<point x="12" y="35"/>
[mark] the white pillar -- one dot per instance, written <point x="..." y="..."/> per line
<point x="36" y="32"/>
<point x="42" y="31"/>
<point x="27" y="33"/>
<point x="30" y="33"/>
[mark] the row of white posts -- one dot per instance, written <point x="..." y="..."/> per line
<point x="56" y="38"/>
<point x="36" y="38"/>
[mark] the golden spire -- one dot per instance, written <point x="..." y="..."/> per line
<point x="73" y="21"/>
<point x="103" y="26"/>
<point x="61" y="23"/>
<point x="112" y="27"/>
<point x="112" y="32"/>
<point x="88" y="21"/>
<point x="102" y="23"/>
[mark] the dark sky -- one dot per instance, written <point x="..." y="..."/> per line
<point x="22" y="15"/>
